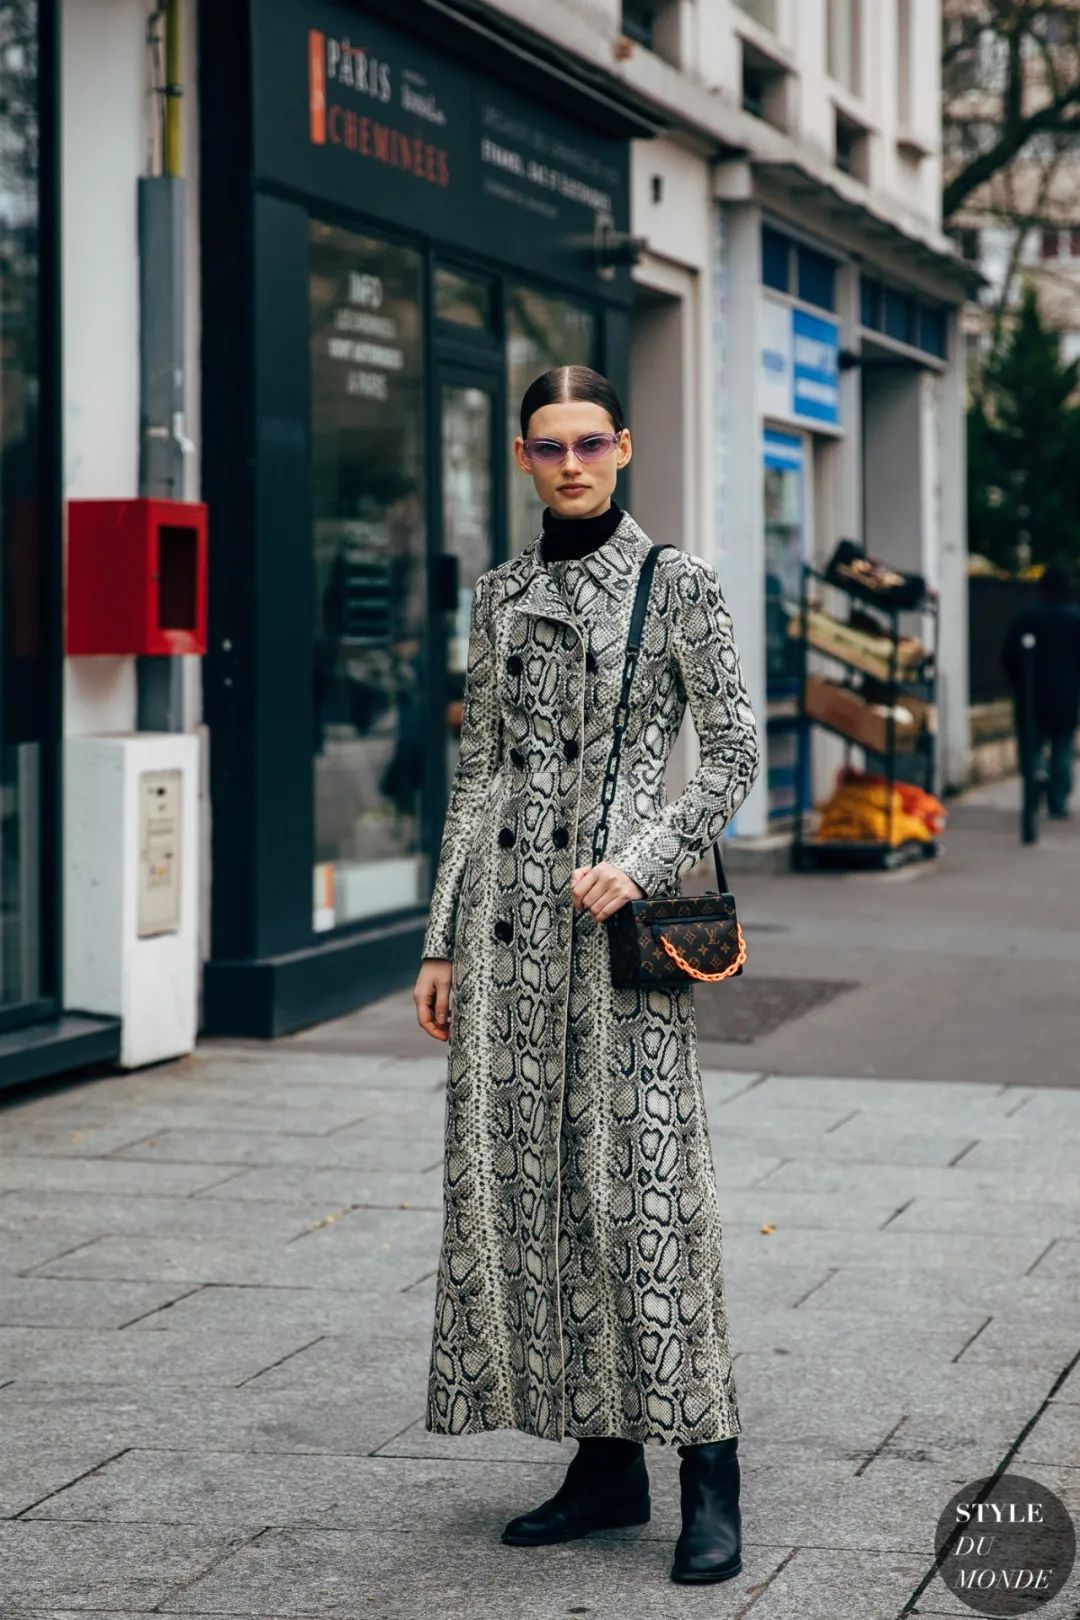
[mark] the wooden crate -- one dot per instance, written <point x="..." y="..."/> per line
<point x="842" y="708"/>
<point x="863" y="651"/>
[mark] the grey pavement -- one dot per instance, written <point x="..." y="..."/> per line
<point x="218" y="1278"/>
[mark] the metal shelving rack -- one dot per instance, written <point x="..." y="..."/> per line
<point x="808" y="851"/>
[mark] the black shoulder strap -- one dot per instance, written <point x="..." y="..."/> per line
<point x="622" y="708"/>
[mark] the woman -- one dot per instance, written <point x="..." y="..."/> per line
<point x="580" y="1288"/>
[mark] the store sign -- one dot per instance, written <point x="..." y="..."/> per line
<point x="800" y="365"/>
<point x="350" y="110"/>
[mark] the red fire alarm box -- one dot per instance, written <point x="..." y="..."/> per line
<point x="136" y="577"/>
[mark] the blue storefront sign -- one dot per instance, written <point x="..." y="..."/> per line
<point x="800" y="361"/>
<point x="815" y="367"/>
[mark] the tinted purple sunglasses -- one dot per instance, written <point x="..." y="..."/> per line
<point x="590" y="447"/>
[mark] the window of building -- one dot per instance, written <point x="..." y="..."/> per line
<point x="542" y="332"/>
<point x="900" y="315"/>
<point x="932" y="330"/>
<point x="968" y="241"/>
<point x="852" y="147"/>
<point x="654" y="24"/>
<point x="764" y="87"/>
<point x="816" y="277"/>
<point x="843" y="43"/>
<point x="638" y="18"/>
<point x="762" y="11"/>
<point x="905" y="63"/>
<point x="368" y="534"/>
<point x="899" y="320"/>
<point x="795" y="268"/>
<point x="776" y="259"/>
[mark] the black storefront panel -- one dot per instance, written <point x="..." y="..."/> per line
<point x="350" y="110"/>
<point x="363" y="189"/>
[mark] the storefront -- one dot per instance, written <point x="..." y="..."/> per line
<point x="427" y="230"/>
<point x="801" y="422"/>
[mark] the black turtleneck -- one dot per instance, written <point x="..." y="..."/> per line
<point x="575" y="536"/>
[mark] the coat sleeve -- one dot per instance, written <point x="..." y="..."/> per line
<point x="703" y="642"/>
<point x="478" y="755"/>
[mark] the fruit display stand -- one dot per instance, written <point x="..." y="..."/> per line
<point x="876" y="676"/>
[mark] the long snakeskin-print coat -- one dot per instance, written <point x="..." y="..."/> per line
<point x="580" y="1288"/>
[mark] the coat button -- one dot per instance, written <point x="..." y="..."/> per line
<point x="503" y="929"/>
<point x="514" y="664"/>
<point x="517" y="756"/>
<point x="590" y="659"/>
<point x="506" y="836"/>
<point x="570" y="748"/>
<point x="560" y="837"/>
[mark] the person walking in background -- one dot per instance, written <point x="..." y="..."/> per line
<point x="1055" y="664"/>
<point x="580" y="1284"/>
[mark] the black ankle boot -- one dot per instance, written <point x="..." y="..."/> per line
<point x="709" y="1547"/>
<point x="606" y="1486"/>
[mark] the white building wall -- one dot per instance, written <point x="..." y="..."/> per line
<point x="108" y="141"/>
<point x="105" y="90"/>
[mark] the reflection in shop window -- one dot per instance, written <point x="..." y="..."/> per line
<point x="542" y="332"/>
<point x="463" y="299"/>
<point x="25" y="681"/>
<point x="367" y="432"/>
<point x="785" y="549"/>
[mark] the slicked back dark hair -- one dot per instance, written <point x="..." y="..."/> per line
<point x="564" y="383"/>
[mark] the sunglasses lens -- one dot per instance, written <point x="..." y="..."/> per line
<point x="593" y="446"/>
<point x="548" y="451"/>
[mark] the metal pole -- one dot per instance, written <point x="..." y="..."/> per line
<point x="1029" y="818"/>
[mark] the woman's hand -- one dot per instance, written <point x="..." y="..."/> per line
<point x="602" y="889"/>
<point x="432" y="996"/>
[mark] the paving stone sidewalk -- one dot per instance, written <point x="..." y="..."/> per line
<point x="218" y="1279"/>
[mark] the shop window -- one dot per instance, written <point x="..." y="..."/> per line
<point x="463" y="300"/>
<point x="542" y="332"/>
<point x="369" y="544"/>
<point x="27" y="715"/>
<point x="785" y="551"/>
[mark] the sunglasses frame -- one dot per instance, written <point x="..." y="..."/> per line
<point x="612" y="440"/>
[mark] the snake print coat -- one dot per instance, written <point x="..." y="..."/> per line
<point x="579" y="1287"/>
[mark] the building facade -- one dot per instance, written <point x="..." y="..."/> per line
<point x="391" y="219"/>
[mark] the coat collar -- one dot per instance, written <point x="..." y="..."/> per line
<point x="613" y="566"/>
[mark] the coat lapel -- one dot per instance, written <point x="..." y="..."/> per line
<point x="612" y="568"/>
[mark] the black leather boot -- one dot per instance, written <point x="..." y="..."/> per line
<point x="606" y="1486"/>
<point x="709" y="1547"/>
